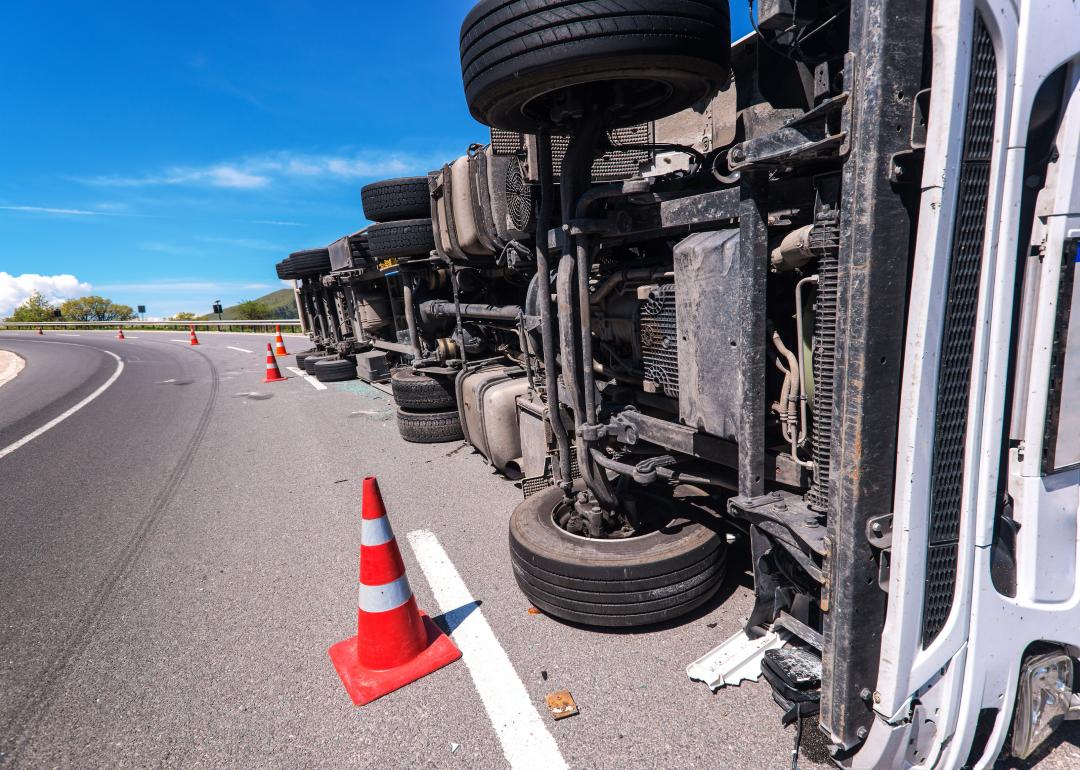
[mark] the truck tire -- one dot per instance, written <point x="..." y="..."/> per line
<point x="285" y="270"/>
<point x="309" y="262"/>
<point x="653" y="57"/>
<point x="310" y="361"/>
<point x="334" y="370"/>
<point x="429" y="427"/>
<point x="420" y="391"/>
<point x="394" y="199"/>
<point x="303" y="355"/>
<point x="406" y="238"/>
<point x="614" y="583"/>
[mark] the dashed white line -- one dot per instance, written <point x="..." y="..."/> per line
<point x="184" y="341"/>
<point x="61" y="417"/>
<point x="242" y="350"/>
<point x="307" y="378"/>
<point x="526" y="742"/>
<point x="67" y="334"/>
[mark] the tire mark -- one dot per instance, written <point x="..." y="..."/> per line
<point x="37" y="701"/>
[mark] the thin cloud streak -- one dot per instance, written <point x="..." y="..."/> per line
<point x="261" y="171"/>
<point x="61" y="212"/>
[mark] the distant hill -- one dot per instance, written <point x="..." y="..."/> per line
<point x="281" y="303"/>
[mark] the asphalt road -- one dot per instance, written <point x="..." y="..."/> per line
<point x="178" y="554"/>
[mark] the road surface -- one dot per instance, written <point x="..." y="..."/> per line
<point x="179" y="550"/>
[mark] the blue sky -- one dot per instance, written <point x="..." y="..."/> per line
<point x="170" y="154"/>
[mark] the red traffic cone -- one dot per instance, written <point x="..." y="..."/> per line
<point x="39" y="331"/>
<point x="273" y="374"/>
<point x="120" y="333"/>
<point x="279" y="344"/>
<point x="395" y="642"/>
<point x="194" y="339"/>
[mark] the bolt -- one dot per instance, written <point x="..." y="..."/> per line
<point x="811" y="521"/>
<point x="737" y="153"/>
<point x="876" y="527"/>
<point x="865" y="694"/>
<point x="877" y="697"/>
<point x="781" y="506"/>
<point x="862" y="732"/>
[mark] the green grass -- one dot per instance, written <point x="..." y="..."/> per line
<point x="280" y="302"/>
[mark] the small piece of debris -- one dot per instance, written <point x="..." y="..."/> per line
<point x="454" y="747"/>
<point x="710" y="625"/>
<point x="543" y="675"/>
<point x="340" y="481"/>
<point x="561" y="704"/>
<point x="533" y="611"/>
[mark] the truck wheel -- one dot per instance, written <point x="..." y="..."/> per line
<point x="285" y="270"/>
<point x="520" y="59"/>
<point x="309" y="262"/>
<point x="310" y="361"/>
<point x="420" y="391"/>
<point x="394" y="199"/>
<point x="305" y="354"/>
<point x="634" y="581"/>
<point x="334" y="370"/>
<point x="429" y="427"/>
<point x="407" y="238"/>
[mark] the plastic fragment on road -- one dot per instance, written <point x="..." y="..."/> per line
<point x="561" y="704"/>
<point x="734" y="660"/>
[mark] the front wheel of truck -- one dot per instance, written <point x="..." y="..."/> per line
<point x="674" y="567"/>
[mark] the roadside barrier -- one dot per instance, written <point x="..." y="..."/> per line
<point x="395" y="642"/>
<point x="273" y="374"/>
<point x="120" y="333"/>
<point x="279" y="344"/>
<point x="194" y="339"/>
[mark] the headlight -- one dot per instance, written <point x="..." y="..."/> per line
<point x="1044" y="700"/>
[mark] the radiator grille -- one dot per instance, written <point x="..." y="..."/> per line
<point x="958" y="334"/>
<point x="612" y="165"/>
<point x="534" y="484"/>
<point x="825" y="239"/>
<point x="660" y="339"/>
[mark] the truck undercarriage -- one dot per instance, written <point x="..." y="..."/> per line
<point x="698" y="297"/>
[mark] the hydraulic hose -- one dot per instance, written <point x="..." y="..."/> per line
<point x="547" y="333"/>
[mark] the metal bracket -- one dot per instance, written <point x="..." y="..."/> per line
<point x="879" y="531"/>
<point x="820" y="132"/>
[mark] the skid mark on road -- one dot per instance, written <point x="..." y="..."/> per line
<point x="61" y="417"/>
<point x="525" y="740"/>
<point x="47" y="684"/>
<point x="313" y="382"/>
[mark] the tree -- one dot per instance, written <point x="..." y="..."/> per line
<point x="185" y="316"/>
<point x="94" y="308"/>
<point x="34" y="309"/>
<point x="252" y="310"/>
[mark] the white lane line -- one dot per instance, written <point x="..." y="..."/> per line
<point x="60" y="418"/>
<point x="180" y="341"/>
<point x="525" y="740"/>
<point x="307" y="377"/>
<point x="67" y="334"/>
<point x="242" y="350"/>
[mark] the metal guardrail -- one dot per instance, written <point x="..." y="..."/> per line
<point x="289" y="325"/>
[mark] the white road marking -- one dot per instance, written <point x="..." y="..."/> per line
<point x="184" y="341"/>
<point x="67" y="334"/>
<point x="526" y="742"/>
<point x="307" y="377"/>
<point x="242" y="350"/>
<point x="60" y="418"/>
<point x="10" y="366"/>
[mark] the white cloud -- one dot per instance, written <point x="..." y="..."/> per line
<point x="61" y="212"/>
<point x="244" y="243"/>
<point x="16" y="289"/>
<point x="260" y="171"/>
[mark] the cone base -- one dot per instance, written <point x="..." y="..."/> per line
<point x="365" y="685"/>
<point x="275" y="379"/>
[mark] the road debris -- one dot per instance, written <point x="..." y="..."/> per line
<point x="561" y="704"/>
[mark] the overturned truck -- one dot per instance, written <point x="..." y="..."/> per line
<point x="807" y="295"/>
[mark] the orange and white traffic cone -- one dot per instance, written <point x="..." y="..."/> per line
<point x="273" y="374"/>
<point x="279" y="344"/>
<point x="39" y="331"/>
<point x="120" y="333"/>
<point x="194" y="339"/>
<point x="395" y="642"/>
